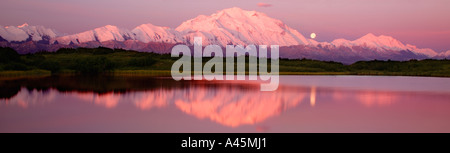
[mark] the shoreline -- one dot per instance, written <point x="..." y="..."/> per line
<point x="165" y="73"/>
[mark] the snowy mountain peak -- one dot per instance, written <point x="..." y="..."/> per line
<point x="383" y="43"/>
<point x="112" y="27"/>
<point x="26" y="32"/>
<point x="425" y="51"/>
<point x="145" y="33"/>
<point x="237" y="12"/>
<point x="101" y="34"/>
<point x="369" y="36"/>
<point x="371" y="41"/>
<point x="23" y="25"/>
<point x="238" y="26"/>
<point x="233" y="9"/>
<point x="151" y="33"/>
<point x="445" y="54"/>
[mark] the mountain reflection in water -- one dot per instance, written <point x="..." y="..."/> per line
<point x="230" y="104"/>
<point x="223" y="104"/>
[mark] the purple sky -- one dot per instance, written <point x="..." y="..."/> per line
<point x="425" y="23"/>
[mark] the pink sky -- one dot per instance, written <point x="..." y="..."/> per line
<point x="425" y="23"/>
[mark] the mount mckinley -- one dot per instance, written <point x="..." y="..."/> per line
<point x="229" y="26"/>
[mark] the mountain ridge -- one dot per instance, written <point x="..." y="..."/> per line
<point x="229" y="26"/>
<point x="26" y="32"/>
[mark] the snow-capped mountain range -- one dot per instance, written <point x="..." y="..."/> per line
<point x="26" y="32"/>
<point x="228" y="26"/>
<point x="237" y="26"/>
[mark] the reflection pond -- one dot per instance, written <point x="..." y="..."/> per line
<point x="160" y="104"/>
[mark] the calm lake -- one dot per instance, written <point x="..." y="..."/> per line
<point x="158" y="104"/>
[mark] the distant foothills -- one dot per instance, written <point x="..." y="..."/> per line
<point x="229" y="26"/>
<point x="108" y="61"/>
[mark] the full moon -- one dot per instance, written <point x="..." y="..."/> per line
<point x="313" y="35"/>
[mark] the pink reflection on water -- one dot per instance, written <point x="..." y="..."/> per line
<point x="25" y="98"/>
<point x="227" y="106"/>
<point x="324" y="109"/>
<point x="312" y="96"/>
<point x="149" y="100"/>
<point x="378" y="98"/>
<point x="108" y="100"/>
<point x="142" y="99"/>
<point x="236" y="107"/>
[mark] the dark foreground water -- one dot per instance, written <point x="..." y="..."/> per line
<point x="301" y="104"/>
